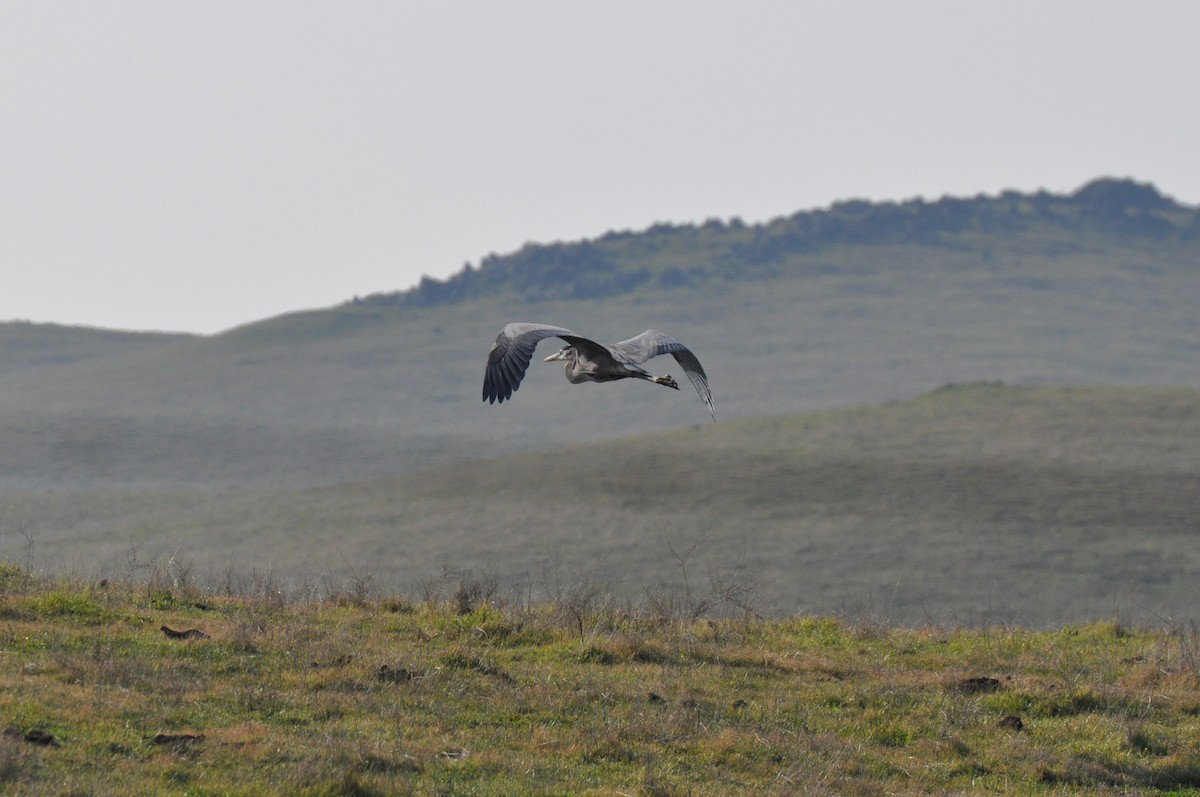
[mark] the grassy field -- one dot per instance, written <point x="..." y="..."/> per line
<point x="164" y="686"/>
<point x="858" y="582"/>
<point x="973" y="504"/>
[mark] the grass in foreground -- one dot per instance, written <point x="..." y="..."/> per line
<point x="359" y="695"/>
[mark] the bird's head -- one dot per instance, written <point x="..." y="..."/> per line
<point x="561" y="354"/>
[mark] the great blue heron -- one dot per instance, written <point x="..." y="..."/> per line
<point x="587" y="360"/>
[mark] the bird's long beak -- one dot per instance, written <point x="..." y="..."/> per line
<point x="558" y="355"/>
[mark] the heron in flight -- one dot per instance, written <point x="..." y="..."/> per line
<point x="586" y="360"/>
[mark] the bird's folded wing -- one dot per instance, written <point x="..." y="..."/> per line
<point x="596" y="352"/>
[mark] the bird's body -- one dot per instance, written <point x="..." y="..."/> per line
<point x="586" y="360"/>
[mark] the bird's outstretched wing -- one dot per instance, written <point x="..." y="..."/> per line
<point x="510" y="356"/>
<point x="652" y="343"/>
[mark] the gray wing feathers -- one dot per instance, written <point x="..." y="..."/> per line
<point x="510" y="357"/>
<point x="652" y="343"/>
<point x="513" y="350"/>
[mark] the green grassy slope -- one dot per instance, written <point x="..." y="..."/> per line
<point x="1047" y="504"/>
<point x="359" y="695"/>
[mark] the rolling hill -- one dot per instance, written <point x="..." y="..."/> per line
<point x="857" y="303"/>
<point x="333" y="438"/>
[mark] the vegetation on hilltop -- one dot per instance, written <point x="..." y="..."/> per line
<point x="672" y="256"/>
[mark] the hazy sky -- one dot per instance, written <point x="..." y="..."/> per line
<point x="197" y="165"/>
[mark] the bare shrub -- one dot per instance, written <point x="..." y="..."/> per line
<point x="466" y="589"/>
<point x="355" y="590"/>
<point x="729" y="589"/>
<point x="579" y="599"/>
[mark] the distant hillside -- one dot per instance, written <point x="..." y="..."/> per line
<point x="862" y="302"/>
<point x="28" y="345"/>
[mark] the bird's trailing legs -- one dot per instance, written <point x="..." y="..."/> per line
<point x="666" y="380"/>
